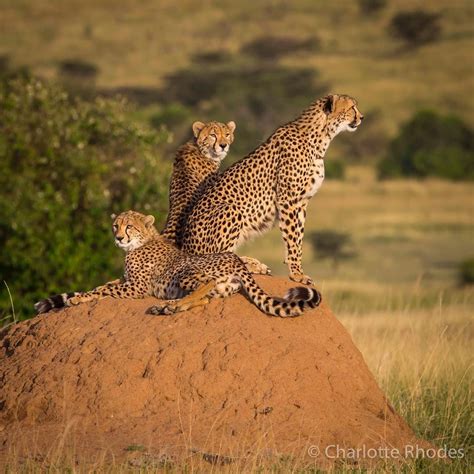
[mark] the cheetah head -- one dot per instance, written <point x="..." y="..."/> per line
<point x="132" y="229"/>
<point x="214" y="138"/>
<point x="341" y="113"/>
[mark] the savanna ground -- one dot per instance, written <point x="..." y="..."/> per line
<point x="399" y="295"/>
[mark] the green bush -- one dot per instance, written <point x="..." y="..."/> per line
<point x="466" y="272"/>
<point x="273" y="47"/>
<point x="334" y="169"/>
<point x="333" y="245"/>
<point x="65" y="166"/>
<point x="430" y="144"/>
<point x="370" y="7"/>
<point x="415" y="27"/>
<point x="171" y="115"/>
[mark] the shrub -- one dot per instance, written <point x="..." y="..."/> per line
<point x="334" y="169"/>
<point x="78" y="77"/>
<point x="466" y="272"/>
<point x="333" y="245"/>
<point x="415" y="27"/>
<point x="273" y="47"/>
<point x="170" y="116"/>
<point x="65" y="166"/>
<point x="78" y="68"/>
<point x="430" y="144"/>
<point x="370" y="7"/>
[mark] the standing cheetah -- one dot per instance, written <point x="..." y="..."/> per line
<point x="276" y="181"/>
<point x="194" y="169"/>
<point x="156" y="267"/>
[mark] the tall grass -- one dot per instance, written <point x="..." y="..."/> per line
<point x="423" y="361"/>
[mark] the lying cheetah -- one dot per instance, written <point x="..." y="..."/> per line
<point x="154" y="266"/>
<point x="194" y="169"/>
<point x="276" y="181"/>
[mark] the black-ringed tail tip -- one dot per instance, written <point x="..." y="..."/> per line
<point x="53" y="302"/>
<point x="304" y="296"/>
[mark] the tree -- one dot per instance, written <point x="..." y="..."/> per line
<point x="415" y="27"/>
<point x="430" y="144"/>
<point x="370" y="7"/>
<point x="333" y="245"/>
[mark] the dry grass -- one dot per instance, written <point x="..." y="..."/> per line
<point x="138" y="43"/>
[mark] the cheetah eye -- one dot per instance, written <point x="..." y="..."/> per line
<point x="129" y="226"/>
<point x="115" y="227"/>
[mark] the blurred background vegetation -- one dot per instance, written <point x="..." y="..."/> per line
<point x="96" y="96"/>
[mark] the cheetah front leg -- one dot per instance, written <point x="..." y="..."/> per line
<point x="199" y="297"/>
<point x="291" y="222"/>
<point x="126" y="290"/>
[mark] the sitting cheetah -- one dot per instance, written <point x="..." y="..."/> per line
<point x="195" y="168"/>
<point x="276" y="181"/>
<point x="154" y="266"/>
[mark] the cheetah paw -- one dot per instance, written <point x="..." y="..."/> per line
<point x="255" y="266"/>
<point x="301" y="278"/>
<point x="161" y="310"/>
<point x="74" y="301"/>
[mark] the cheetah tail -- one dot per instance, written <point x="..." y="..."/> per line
<point x="56" y="301"/>
<point x="293" y="304"/>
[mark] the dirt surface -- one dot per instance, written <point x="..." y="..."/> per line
<point x="105" y="379"/>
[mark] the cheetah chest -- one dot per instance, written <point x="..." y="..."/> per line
<point x="317" y="178"/>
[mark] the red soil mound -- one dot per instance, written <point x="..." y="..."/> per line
<point x="225" y="379"/>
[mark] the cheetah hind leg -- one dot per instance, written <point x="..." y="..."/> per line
<point x="255" y="266"/>
<point x="199" y="297"/>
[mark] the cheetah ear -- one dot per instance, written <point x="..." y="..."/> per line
<point x="231" y="125"/>
<point x="113" y="216"/>
<point x="328" y="106"/>
<point x="197" y="127"/>
<point x="149" y="221"/>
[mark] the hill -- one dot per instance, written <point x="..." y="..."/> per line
<point x="101" y="380"/>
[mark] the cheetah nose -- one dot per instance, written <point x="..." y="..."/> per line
<point x="223" y="146"/>
<point x="119" y="238"/>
